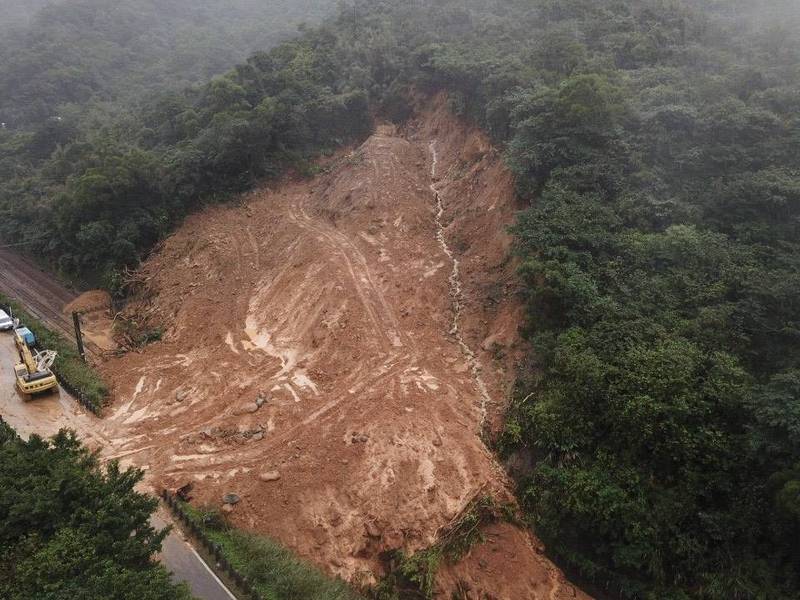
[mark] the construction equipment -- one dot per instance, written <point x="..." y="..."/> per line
<point x="24" y="337"/>
<point x="33" y="372"/>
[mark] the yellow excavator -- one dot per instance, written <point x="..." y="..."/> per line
<point x="33" y="373"/>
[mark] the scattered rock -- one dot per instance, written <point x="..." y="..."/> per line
<point x="260" y="401"/>
<point x="257" y="437"/>
<point x="246" y="408"/>
<point x="319" y="534"/>
<point x="437" y="442"/>
<point x="270" y="476"/>
<point x="393" y="539"/>
<point x="372" y="530"/>
<point x="180" y="395"/>
<point x="230" y="498"/>
<point x="359" y="438"/>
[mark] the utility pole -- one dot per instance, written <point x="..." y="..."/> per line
<point x="76" y="320"/>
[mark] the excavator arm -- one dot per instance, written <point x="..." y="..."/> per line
<point x="28" y="360"/>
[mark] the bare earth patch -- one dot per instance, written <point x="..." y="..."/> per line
<point x="324" y="361"/>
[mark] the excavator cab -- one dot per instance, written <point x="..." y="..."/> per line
<point x="23" y="335"/>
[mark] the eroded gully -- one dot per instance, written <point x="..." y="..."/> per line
<point x="456" y="291"/>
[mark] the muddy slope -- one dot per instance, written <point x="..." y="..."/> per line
<point x="325" y="360"/>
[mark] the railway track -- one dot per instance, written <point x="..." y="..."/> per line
<point x="44" y="298"/>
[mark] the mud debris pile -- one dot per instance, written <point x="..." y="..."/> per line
<point x="334" y="345"/>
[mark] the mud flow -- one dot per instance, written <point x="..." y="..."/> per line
<point x="335" y="349"/>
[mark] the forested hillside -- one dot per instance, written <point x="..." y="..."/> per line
<point x="73" y="52"/>
<point x="656" y="142"/>
<point x="73" y="71"/>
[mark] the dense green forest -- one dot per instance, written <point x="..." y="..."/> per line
<point x="69" y="529"/>
<point x="657" y="143"/>
<point x="92" y="156"/>
<point x="76" y="79"/>
<point x="73" y="56"/>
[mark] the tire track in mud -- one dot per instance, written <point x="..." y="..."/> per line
<point x="397" y="349"/>
<point x="369" y="294"/>
<point x="456" y="292"/>
<point x="226" y="462"/>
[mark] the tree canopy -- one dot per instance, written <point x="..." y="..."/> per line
<point x="71" y="529"/>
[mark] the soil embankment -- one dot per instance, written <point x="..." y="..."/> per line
<point x="334" y="349"/>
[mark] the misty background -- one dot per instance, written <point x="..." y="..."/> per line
<point x="58" y="56"/>
<point x="654" y="147"/>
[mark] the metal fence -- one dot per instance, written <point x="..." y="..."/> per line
<point x="214" y="550"/>
<point x="75" y="393"/>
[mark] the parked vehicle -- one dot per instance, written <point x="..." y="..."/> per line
<point x="6" y="322"/>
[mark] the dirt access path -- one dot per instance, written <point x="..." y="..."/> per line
<point x="43" y="297"/>
<point x="334" y="351"/>
<point x="52" y="303"/>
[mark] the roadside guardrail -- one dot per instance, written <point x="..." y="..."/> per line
<point x="214" y="550"/>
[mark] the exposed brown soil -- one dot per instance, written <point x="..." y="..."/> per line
<point x="508" y="564"/>
<point x="97" y="319"/>
<point x="91" y="301"/>
<point x="323" y="360"/>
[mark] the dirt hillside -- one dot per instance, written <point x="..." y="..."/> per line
<point x="334" y="349"/>
<point x="96" y="315"/>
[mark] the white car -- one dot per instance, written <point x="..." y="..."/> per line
<point x="6" y="322"/>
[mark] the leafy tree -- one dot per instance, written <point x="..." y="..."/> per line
<point x="70" y="529"/>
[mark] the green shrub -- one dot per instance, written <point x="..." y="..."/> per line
<point x="273" y="570"/>
<point x="73" y="528"/>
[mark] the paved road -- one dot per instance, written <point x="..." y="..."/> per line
<point x="186" y="565"/>
<point x="45" y="415"/>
